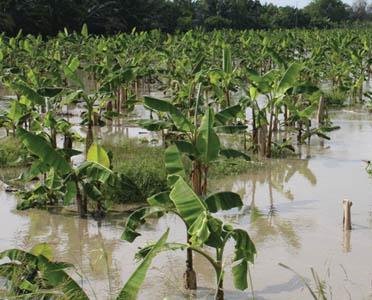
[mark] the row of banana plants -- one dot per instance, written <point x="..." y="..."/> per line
<point x="263" y="86"/>
<point x="35" y="275"/>
<point x="232" y="66"/>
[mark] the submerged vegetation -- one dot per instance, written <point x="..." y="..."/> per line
<point x="264" y="89"/>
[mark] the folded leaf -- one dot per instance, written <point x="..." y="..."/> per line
<point x="187" y="203"/>
<point x="179" y="119"/>
<point x="223" y="201"/>
<point x="207" y="142"/>
<point x="174" y="164"/>
<point x="228" y="114"/>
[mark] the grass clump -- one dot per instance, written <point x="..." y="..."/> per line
<point x="141" y="168"/>
<point x="233" y="166"/>
<point x="335" y="98"/>
<point x="12" y="152"/>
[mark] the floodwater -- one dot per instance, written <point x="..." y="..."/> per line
<point x="293" y="212"/>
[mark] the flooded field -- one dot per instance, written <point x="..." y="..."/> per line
<point x="293" y="212"/>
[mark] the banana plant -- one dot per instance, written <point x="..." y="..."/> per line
<point x="224" y="80"/>
<point x="202" y="229"/>
<point x="274" y="85"/>
<point x="201" y="144"/>
<point x="198" y="141"/>
<point x="16" y="115"/>
<point x="78" y="92"/>
<point x="65" y="182"/>
<point x="33" y="274"/>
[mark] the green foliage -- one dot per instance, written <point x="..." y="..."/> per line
<point x="34" y="275"/>
<point x="98" y="155"/>
<point x="322" y="12"/>
<point x="111" y="16"/>
<point x="48" y="156"/>
<point x="202" y="227"/>
<point x="12" y="152"/>
<point x="207" y="141"/>
<point x="233" y="166"/>
<point x="144" y="169"/>
<point x="142" y="165"/>
<point x="336" y="98"/>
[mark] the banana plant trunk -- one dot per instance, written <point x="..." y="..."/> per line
<point x="197" y="184"/>
<point x="227" y="98"/>
<point x="81" y="202"/>
<point x="190" y="274"/>
<point x="360" y="92"/>
<point x="53" y="137"/>
<point x="300" y="129"/>
<point x="261" y="140"/>
<point x="285" y="115"/>
<point x="254" y="128"/>
<point x="270" y="134"/>
<point x="89" y="138"/>
<point x="197" y="177"/>
<point x="220" y="295"/>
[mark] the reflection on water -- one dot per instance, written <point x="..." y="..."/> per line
<point x="265" y="219"/>
<point x="292" y="209"/>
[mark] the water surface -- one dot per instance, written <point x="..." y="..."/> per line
<point x="293" y="212"/>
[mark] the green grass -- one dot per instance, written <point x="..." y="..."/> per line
<point x="142" y="164"/>
<point x="232" y="166"/>
<point x="12" y="152"/>
<point x="335" y="98"/>
<point x="143" y="172"/>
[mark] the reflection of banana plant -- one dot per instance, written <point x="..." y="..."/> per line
<point x="276" y="177"/>
<point x="202" y="228"/>
<point x="267" y="227"/>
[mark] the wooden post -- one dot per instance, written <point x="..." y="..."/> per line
<point x="346" y="241"/>
<point x="321" y="108"/>
<point x="347" y="215"/>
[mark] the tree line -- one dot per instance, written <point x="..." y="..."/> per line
<point x="47" y="17"/>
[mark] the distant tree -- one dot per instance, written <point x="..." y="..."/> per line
<point x="41" y="16"/>
<point x="284" y="17"/>
<point x="216" y="22"/>
<point x="238" y="14"/>
<point x="47" y="17"/>
<point x="323" y="12"/>
<point x="361" y="10"/>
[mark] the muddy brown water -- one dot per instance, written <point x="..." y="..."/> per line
<point x="293" y="212"/>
